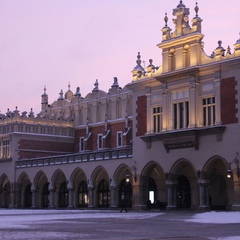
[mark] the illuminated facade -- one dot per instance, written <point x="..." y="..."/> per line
<point x="172" y="132"/>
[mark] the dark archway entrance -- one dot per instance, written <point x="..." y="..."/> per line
<point x="218" y="193"/>
<point x="103" y="194"/>
<point x="63" y="195"/>
<point x="183" y="192"/>
<point x="28" y="196"/>
<point x="126" y="188"/>
<point x="45" y="196"/>
<point x="83" y="199"/>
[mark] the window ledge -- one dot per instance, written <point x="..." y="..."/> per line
<point x="183" y="138"/>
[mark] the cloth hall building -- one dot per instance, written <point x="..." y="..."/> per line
<point x="168" y="139"/>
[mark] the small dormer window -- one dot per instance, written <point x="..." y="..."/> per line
<point x="119" y="139"/>
<point x="81" y="144"/>
<point x="100" y="141"/>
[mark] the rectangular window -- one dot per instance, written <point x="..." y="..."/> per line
<point x="180" y="115"/>
<point x="100" y="141"/>
<point x="209" y="111"/>
<point x="81" y="144"/>
<point x="157" y="119"/>
<point x="6" y="149"/>
<point x="119" y="139"/>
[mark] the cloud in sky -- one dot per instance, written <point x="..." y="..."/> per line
<point x="55" y="42"/>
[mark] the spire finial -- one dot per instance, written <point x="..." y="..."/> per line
<point x="69" y="86"/>
<point x="166" y="19"/>
<point x="181" y="4"/>
<point x="196" y="9"/>
<point x="138" y="59"/>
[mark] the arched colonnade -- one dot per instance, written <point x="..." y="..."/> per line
<point x="182" y="187"/>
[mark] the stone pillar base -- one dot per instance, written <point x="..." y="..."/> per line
<point x="139" y="207"/>
<point x="203" y="208"/>
<point x="235" y="207"/>
<point x="171" y="208"/>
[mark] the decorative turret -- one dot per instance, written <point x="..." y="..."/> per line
<point x="61" y="95"/>
<point x="69" y="93"/>
<point x="138" y="71"/>
<point x="181" y="47"/>
<point x="237" y="45"/>
<point x="115" y="87"/>
<point x="96" y="86"/>
<point x="166" y="31"/>
<point x="78" y="93"/>
<point x="44" y="96"/>
<point x="196" y="22"/>
<point x="151" y="68"/>
<point x="44" y="99"/>
<point x="219" y="51"/>
<point x="182" y="20"/>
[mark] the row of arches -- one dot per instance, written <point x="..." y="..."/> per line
<point x="182" y="187"/>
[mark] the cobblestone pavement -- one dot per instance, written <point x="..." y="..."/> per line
<point x="92" y="225"/>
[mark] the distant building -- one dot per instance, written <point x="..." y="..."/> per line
<point x="168" y="139"/>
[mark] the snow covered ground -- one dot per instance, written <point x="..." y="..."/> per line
<point x="216" y="217"/>
<point x="23" y="220"/>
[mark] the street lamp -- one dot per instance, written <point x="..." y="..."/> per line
<point x="127" y="178"/>
<point x="229" y="171"/>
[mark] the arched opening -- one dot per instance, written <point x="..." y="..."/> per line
<point x="218" y="193"/>
<point x="4" y="192"/>
<point x="103" y="194"/>
<point x="153" y="185"/>
<point x="126" y="189"/>
<point x="45" y="196"/>
<point x="28" y="196"/>
<point x="83" y="198"/>
<point x="152" y="194"/>
<point x="183" y="192"/>
<point x="63" y="195"/>
<point x="219" y="189"/>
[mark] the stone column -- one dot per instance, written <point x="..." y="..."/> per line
<point x="203" y="195"/>
<point x="18" y="203"/>
<point x="138" y="202"/>
<point x="91" y="197"/>
<point x="192" y="105"/>
<point x="171" y="195"/>
<point x="51" y="198"/>
<point x="13" y="195"/>
<point x="218" y="101"/>
<point x="70" y="197"/>
<point x="34" y="192"/>
<point x="113" y="195"/>
<point x="165" y="123"/>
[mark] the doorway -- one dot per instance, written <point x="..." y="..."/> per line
<point x="183" y="192"/>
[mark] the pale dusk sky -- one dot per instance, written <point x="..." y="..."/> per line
<point x="57" y="42"/>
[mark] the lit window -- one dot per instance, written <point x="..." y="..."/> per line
<point x="5" y="149"/>
<point x="180" y="115"/>
<point x="157" y="119"/>
<point x="209" y="111"/>
<point x="119" y="139"/>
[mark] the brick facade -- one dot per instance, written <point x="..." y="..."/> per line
<point x="229" y="101"/>
<point x="38" y="148"/>
<point x="141" y="118"/>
